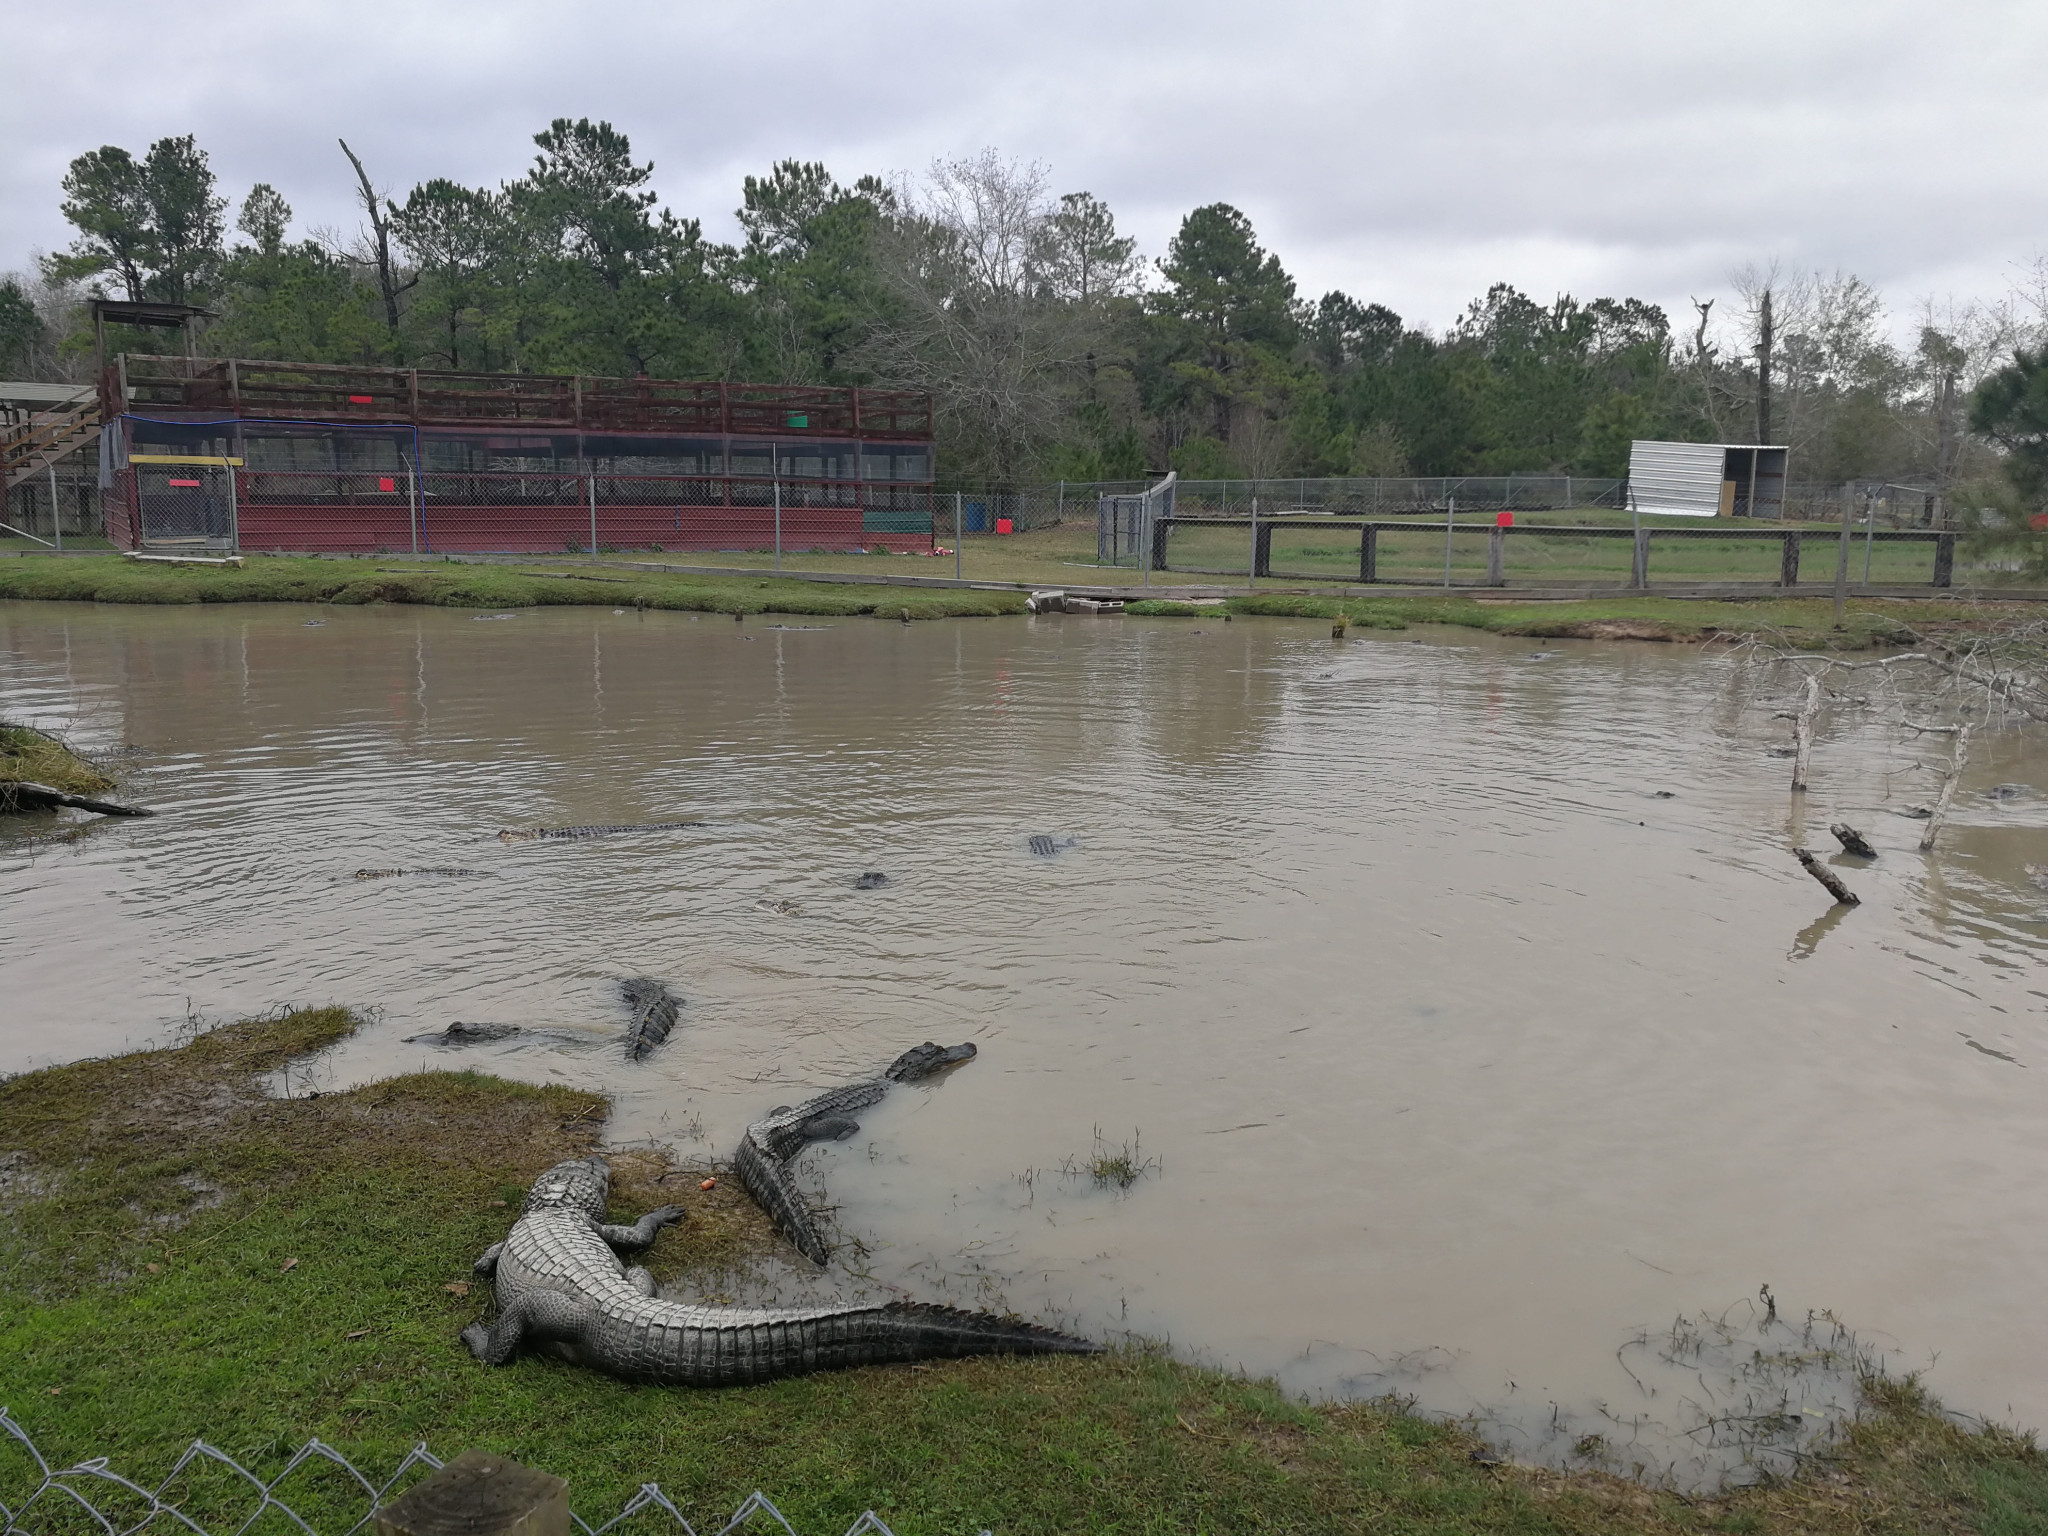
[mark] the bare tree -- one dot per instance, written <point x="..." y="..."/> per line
<point x="380" y="233"/>
<point x="968" y="318"/>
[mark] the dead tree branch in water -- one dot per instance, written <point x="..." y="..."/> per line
<point x="1802" y="731"/>
<point x="1948" y="788"/>
<point x="1827" y="877"/>
<point x="1852" y="841"/>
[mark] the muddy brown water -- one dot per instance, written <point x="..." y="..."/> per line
<point x="1465" y="1058"/>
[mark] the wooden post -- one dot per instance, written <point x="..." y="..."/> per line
<point x="1828" y="878"/>
<point x="1852" y="841"/>
<point x="1788" y="564"/>
<point x="479" y="1495"/>
<point x="1944" y="559"/>
<point x="1262" y="551"/>
<point x="1369" y="554"/>
<point x="1639" y="560"/>
<point x="1496" y="575"/>
<point x="1842" y="566"/>
<point x="1948" y="789"/>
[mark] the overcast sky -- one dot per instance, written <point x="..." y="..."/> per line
<point x="1410" y="152"/>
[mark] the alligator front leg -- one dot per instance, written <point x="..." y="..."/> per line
<point x="643" y="1231"/>
<point x="538" y="1317"/>
<point x="487" y="1262"/>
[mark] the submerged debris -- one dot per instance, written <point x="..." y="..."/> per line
<point x="654" y="1010"/>
<point x="1828" y="878"/>
<point x="873" y="880"/>
<point x="1045" y="847"/>
<point x="1852" y="841"/>
<point x="20" y="795"/>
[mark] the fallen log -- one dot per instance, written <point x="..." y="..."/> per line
<point x="1828" y="878"/>
<point x="24" y="796"/>
<point x="1852" y="841"/>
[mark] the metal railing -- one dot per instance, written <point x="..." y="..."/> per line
<point x="1489" y="551"/>
<point x="90" y="1496"/>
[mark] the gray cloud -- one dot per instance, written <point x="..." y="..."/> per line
<point x="1410" y="153"/>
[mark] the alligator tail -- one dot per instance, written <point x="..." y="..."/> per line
<point x="760" y="1351"/>
<point x="767" y="1179"/>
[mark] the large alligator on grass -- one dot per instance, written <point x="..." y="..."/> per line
<point x="561" y="1286"/>
<point x="764" y="1155"/>
<point x="539" y="834"/>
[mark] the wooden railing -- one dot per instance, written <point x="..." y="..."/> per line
<point x="420" y="397"/>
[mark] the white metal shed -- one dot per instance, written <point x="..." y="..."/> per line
<point x="1706" y="479"/>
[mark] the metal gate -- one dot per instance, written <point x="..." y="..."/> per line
<point x="1125" y="526"/>
<point x="186" y="502"/>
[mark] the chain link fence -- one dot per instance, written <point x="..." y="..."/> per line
<point x="319" y="1492"/>
<point x="55" y="504"/>
<point x="440" y="513"/>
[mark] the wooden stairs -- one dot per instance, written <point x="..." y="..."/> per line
<point x="26" y="451"/>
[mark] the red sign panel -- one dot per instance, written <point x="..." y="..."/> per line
<point x="1504" y="520"/>
<point x="384" y="483"/>
<point x="362" y="399"/>
<point x="194" y="484"/>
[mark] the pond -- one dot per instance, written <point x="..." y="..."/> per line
<point x="1457" y="997"/>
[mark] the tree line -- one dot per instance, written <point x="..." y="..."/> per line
<point x="1053" y="347"/>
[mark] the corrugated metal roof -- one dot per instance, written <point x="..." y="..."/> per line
<point x="1676" y="478"/>
<point x="43" y="396"/>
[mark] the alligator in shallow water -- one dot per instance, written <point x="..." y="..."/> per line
<point x="561" y="1286"/>
<point x="873" y="880"/>
<point x="460" y="1033"/>
<point x="1045" y="847"/>
<point x="536" y="834"/>
<point x="762" y="1161"/>
<point x="394" y="874"/>
<point x="654" y="1015"/>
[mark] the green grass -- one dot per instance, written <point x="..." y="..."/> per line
<point x="287" y="579"/>
<point x="181" y="1255"/>
<point x="1805" y="620"/>
<point x="28" y="755"/>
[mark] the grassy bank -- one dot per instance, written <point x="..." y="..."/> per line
<point x="1802" y="621"/>
<point x="182" y="1255"/>
<point x="284" y="579"/>
<point x="30" y="756"/>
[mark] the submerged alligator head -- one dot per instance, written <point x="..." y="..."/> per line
<point x="560" y="1285"/>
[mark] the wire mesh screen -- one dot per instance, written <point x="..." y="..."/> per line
<point x="327" y="488"/>
<point x="186" y="505"/>
<point x="318" y="1492"/>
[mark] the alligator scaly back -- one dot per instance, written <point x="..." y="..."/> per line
<point x="560" y="1285"/>
<point x="654" y="1015"/>
<point x="537" y="834"/>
